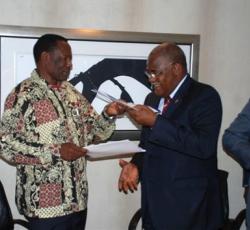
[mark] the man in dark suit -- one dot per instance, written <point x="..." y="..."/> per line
<point x="178" y="171"/>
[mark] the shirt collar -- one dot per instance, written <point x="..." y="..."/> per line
<point x="177" y="87"/>
<point x="161" y="103"/>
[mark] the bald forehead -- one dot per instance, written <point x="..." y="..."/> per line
<point x="163" y="49"/>
<point x="160" y="51"/>
<point x="170" y="52"/>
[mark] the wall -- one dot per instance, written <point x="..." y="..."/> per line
<point x="224" y="63"/>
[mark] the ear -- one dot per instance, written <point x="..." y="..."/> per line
<point x="45" y="57"/>
<point x="177" y="69"/>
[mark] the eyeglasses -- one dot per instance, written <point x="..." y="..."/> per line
<point x="153" y="75"/>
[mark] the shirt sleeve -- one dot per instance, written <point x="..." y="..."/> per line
<point x="15" y="146"/>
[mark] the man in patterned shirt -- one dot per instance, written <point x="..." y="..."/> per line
<point x="45" y="125"/>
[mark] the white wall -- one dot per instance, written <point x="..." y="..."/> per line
<point x="224" y="63"/>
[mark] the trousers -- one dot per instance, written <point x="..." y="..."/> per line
<point x="72" y="221"/>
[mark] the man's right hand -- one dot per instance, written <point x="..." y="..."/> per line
<point x="71" y="152"/>
<point x="129" y="177"/>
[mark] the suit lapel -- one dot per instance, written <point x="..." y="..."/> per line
<point x="153" y="100"/>
<point x="178" y="98"/>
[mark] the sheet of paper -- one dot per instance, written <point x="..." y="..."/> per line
<point x="113" y="149"/>
<point x="108" y="98"/>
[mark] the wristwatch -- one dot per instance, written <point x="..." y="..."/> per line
<point x="107" y="117"/>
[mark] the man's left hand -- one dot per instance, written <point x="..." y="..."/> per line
<point x="143" y="115"/>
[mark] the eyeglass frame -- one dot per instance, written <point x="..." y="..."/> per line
<point x="155" y="75"/>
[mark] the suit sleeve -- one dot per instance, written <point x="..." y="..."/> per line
<point x="236" y="139"/>
<point x="138" y="157"/>
<point x="195" y="133"/>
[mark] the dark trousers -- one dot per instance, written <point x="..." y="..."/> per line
<point x="74" y="221"/>
<point x="146" y="219"/>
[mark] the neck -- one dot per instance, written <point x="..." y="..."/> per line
<point x="44" y="75"/>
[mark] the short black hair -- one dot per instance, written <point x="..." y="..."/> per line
<point x="46" y="43"/>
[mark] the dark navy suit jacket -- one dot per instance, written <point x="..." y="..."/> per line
<point x="179" y="168"/>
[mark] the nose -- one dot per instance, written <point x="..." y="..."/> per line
<point x="69" y="63"/>
<point x="152" y="79"/>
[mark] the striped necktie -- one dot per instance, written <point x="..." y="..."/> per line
<point x="167" y="101"/>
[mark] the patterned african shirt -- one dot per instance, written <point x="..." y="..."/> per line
<point x="38" y="118"/>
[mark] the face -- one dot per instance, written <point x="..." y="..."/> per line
<point x="59" y="62"/>
<point x="162" y="75"/>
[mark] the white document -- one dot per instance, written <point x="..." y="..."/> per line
<point x="113" y="149"/>
<point x="108" y="98"/>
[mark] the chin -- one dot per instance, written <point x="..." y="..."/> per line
<point x="158" y="93"/>
<point x="64" y="78"/>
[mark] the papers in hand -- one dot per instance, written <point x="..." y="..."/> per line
<point x="112" y="149"/>
<point x="108" y="98"/>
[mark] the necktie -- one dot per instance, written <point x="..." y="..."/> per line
<point x="166" y="104"/>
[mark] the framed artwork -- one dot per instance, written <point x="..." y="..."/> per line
<point x="109" y="61"/>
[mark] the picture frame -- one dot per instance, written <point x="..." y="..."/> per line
<point x="125" y="52"/>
